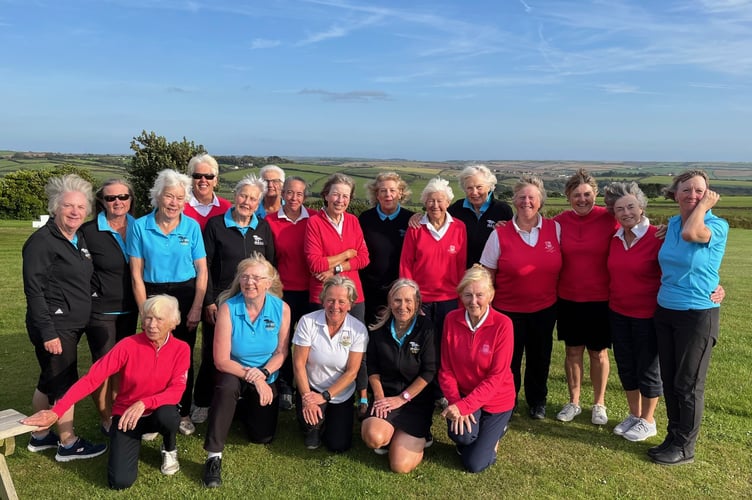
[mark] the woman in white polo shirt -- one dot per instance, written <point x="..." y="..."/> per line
<point x="329" y="346"/>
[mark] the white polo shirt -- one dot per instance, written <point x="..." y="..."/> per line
<point x="327" y="358"/>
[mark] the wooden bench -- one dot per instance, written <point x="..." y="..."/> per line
<point x="10" y="427"/>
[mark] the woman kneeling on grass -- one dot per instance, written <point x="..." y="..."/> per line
<point x="475" y="374"/>
<point x="401" y="363"/>
<point x="152" y="368"/>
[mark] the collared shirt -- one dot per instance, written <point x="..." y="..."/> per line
<point x="401" y="341"/>
<point x="103" y="225"/>
<point x="480" y="323"/>
<point x="230" y="222"/>
<point x="337" y="226"/>
<point x="639" y="231"/>
<point x="440" y="232"/>
<point x="303" y="214"/>
<point x="492" y="251"/>
<point x="252" y="343"/>
<point x="391" y="216"/>
<point x="483" y="208"/>
<point x="201" y="208"/>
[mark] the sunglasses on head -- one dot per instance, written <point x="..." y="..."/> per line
<point x="112" y="197"/>
<point x="208" y="177"/>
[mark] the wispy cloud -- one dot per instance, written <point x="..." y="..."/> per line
<point x="354" y="95"/>
<point x="620" y="88"/>
<point x="263" y="43"/>
<point x="525" y="5"/>
<point x="409" y="77"/>
<point x="340" y="30"/>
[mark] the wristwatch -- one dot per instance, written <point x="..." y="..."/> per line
<point x="338" y="269"/>
<point x="327" y="397"/>
<point x="406" y="396"/>
<point x="265" y="372"/>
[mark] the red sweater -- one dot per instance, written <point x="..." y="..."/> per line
<point x="291" y="262"/>
<point x="476" y="367"/>
<point x="322" y="241"/>
<point x="635" y="276"/>
<point x="585" y="241"/>
<point x="224" y="206"/>
<point x="436" y="266"/>
<point x="155" y="377"/>
<point x="526" y="277"/>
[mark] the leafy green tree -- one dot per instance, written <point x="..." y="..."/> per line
<point x="22" y="193"/>
<point x="152" y="154"/>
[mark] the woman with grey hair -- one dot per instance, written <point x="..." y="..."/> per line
<point x="384" y="227"/>
<point x="167" y="256"/>
<point x="329" y="348"/>
<point x="204" y="203"/>
<point x="274" y="178"/>
<point x="57" y="272"/>
<point x="434" y="254"/>
<point x="228" y="239"/>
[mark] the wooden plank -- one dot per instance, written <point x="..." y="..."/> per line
<point x="7" y="490"/>
<point x="10" y="425"/>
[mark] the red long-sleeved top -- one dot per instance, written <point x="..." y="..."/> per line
<point x="224" y="206"/>
<point x="289" y="238"/>
<point x="155" y="377"/>
<point x="322" y="241"/>
<point x="585" y="241"/>
<point x="476" y="367"/>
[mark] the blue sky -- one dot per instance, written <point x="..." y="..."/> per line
<point x="424" y="80"/>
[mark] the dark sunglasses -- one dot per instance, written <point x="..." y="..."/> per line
<point x="109" y="198"/>
<point x="208" y="177"/>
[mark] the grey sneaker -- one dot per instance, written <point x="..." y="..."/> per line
<point x="199" y="414"/>
<point x="625" y="424"/>
<point x="599" y="415"/>
<point x="641" y="431"/>
<point x="170" y="464"/>
<point x="568" y="413"/>
<point x="186" y="427"/>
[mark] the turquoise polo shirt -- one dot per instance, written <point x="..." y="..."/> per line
<point x="230" y="222"/>
<point x="168" y="258"/>
<point x="391" y="216"/>
<point x="104" y="226"/>
<point x="253" y="343"/>
<point x="690" y="270"/>
<point x="483" y="208"/>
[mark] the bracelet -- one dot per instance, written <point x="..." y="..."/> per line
<point x="364" y="401"/>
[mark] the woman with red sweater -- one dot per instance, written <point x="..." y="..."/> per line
<point x="475" y="373"/>
<point x="204" y="203"/>
<point x="586" y="233"/>
<point x="524" y="260"/>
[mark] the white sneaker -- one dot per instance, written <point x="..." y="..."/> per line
<point x="599" y="415"/>
<point x="186" y="427"/>
<point x="199" y="414"/>
<point x="568" y="413"/>
<point x="149" y="436"/>
<point x="625" y="424"/>
<point x="641" y="431"/>
<point x="170" y="464"/>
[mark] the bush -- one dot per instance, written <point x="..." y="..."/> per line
<point x="22" y="193"/>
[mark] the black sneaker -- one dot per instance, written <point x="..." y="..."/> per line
<point x="81" y="449"/>
<point x="213" y="472"/>
<point x="47" y="442"/>
<point x="538" y="412"/>
<point x="312" y="439"/>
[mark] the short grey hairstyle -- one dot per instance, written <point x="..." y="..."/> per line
<point x="437" y="185"/>
<point x="489" y="179"/>
<point x="272" y="168"/>
<point x="251" y="180"/>
<point x="372" y="186"/>
<point x="295" y="178"/>
<point x="386" y="313"/>
<point x="168" y="178"/>
<point x="343" y="281"/>
<point x="203" y="158"/>
<point x="531" y="180"/>
<point x="617" y="190"/>
<point x="57" y="187"/>
<point x="163" y="306"/>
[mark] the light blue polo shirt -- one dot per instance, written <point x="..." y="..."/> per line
<point x="253" y="342"/>
<point x="230" y="222"/>
<point x="690" y="270"/>
<point x="391" y="216"/>
<point x="104" y="226"/>
<point x="483" y="208"/>
<point x="168" y="258"/>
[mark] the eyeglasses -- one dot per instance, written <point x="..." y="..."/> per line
<point x="109" y="198"/>
<point x="245" y="278"/>
<point x="208" y="177"/>
<point x="273" y="181"/>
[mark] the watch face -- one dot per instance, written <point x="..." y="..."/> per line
<point x="406" y="396"/>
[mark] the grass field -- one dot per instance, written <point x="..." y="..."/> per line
<point x="537" y="459"/>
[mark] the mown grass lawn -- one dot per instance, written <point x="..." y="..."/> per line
<point x="545" y="459"/>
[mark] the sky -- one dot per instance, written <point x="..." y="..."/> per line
<point x="433" y="80"/>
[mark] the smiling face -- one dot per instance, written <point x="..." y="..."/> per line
<point x="388" y="196"/>
<point x="273" y="184"/>
<point x="336" y="304"/>
<point x="627" y="211"/>
<point x="71" y="211"/>
<point x="476" y="190"/>
<point x="582" y="199"/>
<point x="338" y="199"/>
<point x="294" y="196"/>
<point x="203" y="188"/>
<point x="254" y="281"/>
<point x="156" y="327"/>
<point x="527" y="202"/>
<point x="117" y="207"/>
<point x="436" y="206"/>
<point x="689" y="193"/>
<point x="171" y="202"/>
<point x="247" y="201"/>
<point x="403" y="305"/>
<point x="476" y="298"/>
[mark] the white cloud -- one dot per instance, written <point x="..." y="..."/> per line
<point x="263" y="43"/>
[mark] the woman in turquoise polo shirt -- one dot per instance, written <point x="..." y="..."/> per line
<point x="167" y="256"/>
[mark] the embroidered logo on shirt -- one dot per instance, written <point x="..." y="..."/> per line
<point x="486" y="349"/>
<point x="402" y="232"/>
<point x="258" y="240"/>
<point x="59" y="311"/>
<point x="85" y="252"/>
<point x="490" y="223"/>
<point x="414" y="348"/>
<point x="345" y="340"/>
<point x="183" y="240"/>
<point x="452" y="249"/>
<point x="269" y="324"/>
<point x="548" y="247"/>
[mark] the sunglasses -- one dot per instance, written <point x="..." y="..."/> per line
<point x="109" y="198"/>
<point x="208" y="177"/>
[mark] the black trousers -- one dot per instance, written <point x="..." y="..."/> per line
<point x="125" y="446"/>
<point x="533" y="337"/>
<point x="336" y="427"/>
<point x="207" y="372"/>
<point x="261" y="421"/>
<point x="685" y="343"/>
<point x="299" y="305"/>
